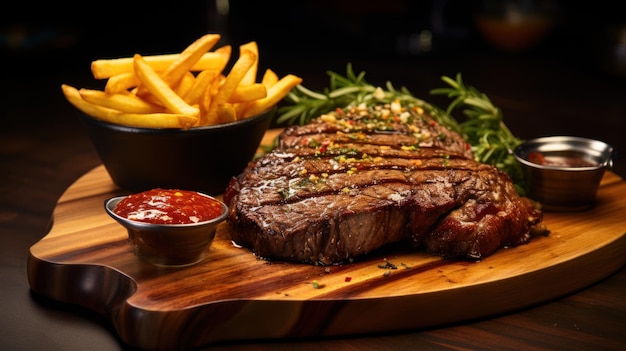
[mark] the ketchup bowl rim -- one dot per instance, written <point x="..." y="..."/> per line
<point x="110" y="203"/>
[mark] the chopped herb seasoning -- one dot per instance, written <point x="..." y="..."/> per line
<point x="317" y="285"/>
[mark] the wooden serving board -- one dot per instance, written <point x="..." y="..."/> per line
<point x="86" y="260"/>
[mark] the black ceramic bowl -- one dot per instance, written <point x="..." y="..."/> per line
<point x="201" y="158"/>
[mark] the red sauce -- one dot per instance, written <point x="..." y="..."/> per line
<point x="174" y="206"/>
<point x="558" y="161"/>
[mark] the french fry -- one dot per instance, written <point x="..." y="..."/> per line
<point x="274" y="95"/>
<point x="183" y="63"/>
<point x="250" y="77"/>
<point x="248" y="93"/>
<point x="120" y="102"/>
<point x="225" y="52"/>
<point x="181" y="67"/>
<point x="121" y="82"/>
<point x="269" y="78"/>
<point x="185" y="84"/>
<point x="200" y="85"/>
<point x="236" y="74"/>
<point x="148" y="120"/>
<point x="207" y="97"/>
<point x="160" y="90"/>
<point x="226" y="113"/>
<point x="217" y="84"/>
<point x="106" y="68"/>
<point x="247" y="80"/>
<point x="245" y="94"/>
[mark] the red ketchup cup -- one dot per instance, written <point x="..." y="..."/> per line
<point x="168" y="227"/>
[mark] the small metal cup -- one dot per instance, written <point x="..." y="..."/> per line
<point x="168" y="245"/>
<point x="565" y="187"/>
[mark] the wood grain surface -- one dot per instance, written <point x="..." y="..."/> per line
<point x="86" y="260"/>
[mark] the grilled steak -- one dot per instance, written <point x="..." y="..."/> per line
<point x="353" y="181"/>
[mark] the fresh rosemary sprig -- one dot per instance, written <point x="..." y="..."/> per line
<point x="483" y="127"/>
<point x="305" y="104"/>
<point x="302" y="104"/>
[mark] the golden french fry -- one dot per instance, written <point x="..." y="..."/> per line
<point x="207" y="97"/>
<point x="200" y="85"/>
<point x="236" y="74"/>
<point x="248" y="93"/>
<point x="160" y="90"/>
<point x="225" y="52"/>
<point x="250" y="76"/>
<point x="121" y="102"/>
<point x="274" y="95"/>
<point x="217" y="84"/>
<point x="185" y="84"/>
<point x="188" y="58"/>
<point x="121" y="82"/>
<point x="240" y="97"/>
<point x="245" y="94"/>
<point x="226" y="113"/>
<point x="148" y="120"/>
<point x="183" y="63"/>
<point x="269" y="78"/>
<point x="151" y="99"/>
<point x="106" y="68"/>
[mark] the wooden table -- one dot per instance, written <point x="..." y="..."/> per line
<point x="44" y="150"/>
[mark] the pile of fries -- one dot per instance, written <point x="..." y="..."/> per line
<point x="183" y="90"/>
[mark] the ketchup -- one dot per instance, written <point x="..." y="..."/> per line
<point x="164" y="206"/>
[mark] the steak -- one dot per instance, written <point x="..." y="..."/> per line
<point x="355" y="180"/>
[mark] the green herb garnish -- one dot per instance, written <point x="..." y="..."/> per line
<point x="302" y="104"/>
<point x="484" y="129"/>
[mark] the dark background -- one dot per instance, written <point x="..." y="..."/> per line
<point x="571" y="82"/>
<point x="68" y="34"/>
<point x="53" y="43"/>
<point x="581" y="57"/>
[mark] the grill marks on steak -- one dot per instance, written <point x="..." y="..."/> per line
<point x="423" y="131"/>
<point x="329" y="194"/>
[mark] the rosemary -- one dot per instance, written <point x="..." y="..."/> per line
<point x="484" y="129"/>
<point x="302" y="104"/>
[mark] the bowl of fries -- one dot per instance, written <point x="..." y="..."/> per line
<point x="200" y="158"/>
<point x="181" y="120"/>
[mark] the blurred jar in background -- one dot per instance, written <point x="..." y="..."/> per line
<point x="514" y="25"/>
